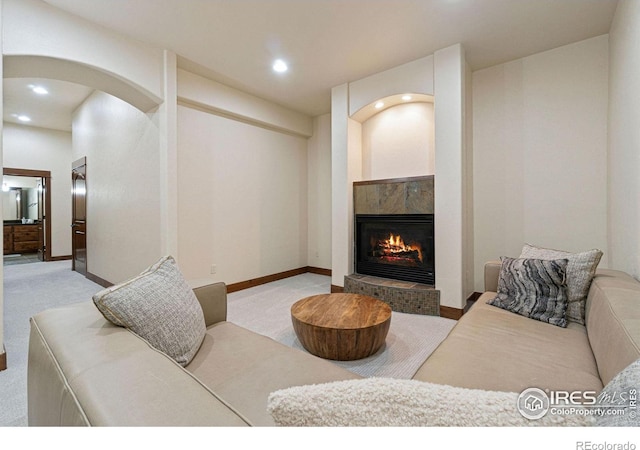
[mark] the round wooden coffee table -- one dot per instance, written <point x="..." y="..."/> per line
<point x="341" y="327"/>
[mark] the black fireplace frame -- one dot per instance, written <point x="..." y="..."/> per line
<point x="424" y="274"/>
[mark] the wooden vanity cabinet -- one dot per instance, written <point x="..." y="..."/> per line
<point x="21" y="238"/>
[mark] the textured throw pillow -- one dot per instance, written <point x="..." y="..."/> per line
<point x="159" y="306"/>
<point x="533" y="288"/>
<point x="619" y="399"/>
<point x="580" y="272"/>
<point x="376" y="402"/>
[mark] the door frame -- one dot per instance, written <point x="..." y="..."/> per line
<point x="46" y="174"/>
<point x="82" y="162"/>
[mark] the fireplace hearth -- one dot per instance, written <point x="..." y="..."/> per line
<point x="396" y="246"/>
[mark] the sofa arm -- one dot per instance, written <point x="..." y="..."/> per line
<point x="491" y="273"/>
<point x="213" y="300"/>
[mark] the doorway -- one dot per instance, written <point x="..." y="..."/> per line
<point x="79" y="216"/>
<point x="27" y="218"/>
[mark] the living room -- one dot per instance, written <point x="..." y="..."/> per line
<point x="541" y="149"/>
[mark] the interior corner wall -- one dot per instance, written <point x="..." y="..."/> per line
<point x="540" y="153"/>
<point x="123" y="183"/>
<point x="319" y="193"/>
<point x="34" y="148"/>
<point x="624" y="139"/>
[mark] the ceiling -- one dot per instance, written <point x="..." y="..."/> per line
<point x="330" y="42"/>
<point x="52" y="110"/>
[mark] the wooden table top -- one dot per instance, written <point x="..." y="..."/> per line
<point x="341" y="311"/>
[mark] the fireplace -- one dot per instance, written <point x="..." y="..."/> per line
<point x="396" y="246"/>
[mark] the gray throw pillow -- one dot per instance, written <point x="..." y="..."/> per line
<point x="533" y="288"/>
<point x="619" y="399"/>
<point x="580" y="272"/>
<point x="159" y="306"/>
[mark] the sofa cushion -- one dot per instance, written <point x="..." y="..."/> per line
<point x="159" y="306"/>
<point x="84" y="370"/>
<point x="620" y="395"/>
<point x="534" y="288"/>
<point x="580" y="271"/>
<point x="253" y="366"/>
<point x="375" y="402"/>
<point x="494" y="349"/>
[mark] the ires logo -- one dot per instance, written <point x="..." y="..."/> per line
<point x="534" y="403"/>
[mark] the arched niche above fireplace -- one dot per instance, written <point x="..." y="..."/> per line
<point x="382" y="104"/>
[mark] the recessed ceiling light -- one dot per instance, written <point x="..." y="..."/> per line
<point x="23" y="118"/>
<point x="39" y="90"/>
<point x="280" y="66"/>
<point x="379" y="105"/>
<point x="406" y="98"/>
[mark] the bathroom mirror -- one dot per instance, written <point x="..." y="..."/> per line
<point x="20" y="198"/>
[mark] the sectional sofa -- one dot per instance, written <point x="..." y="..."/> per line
<point x="85" y="370"/>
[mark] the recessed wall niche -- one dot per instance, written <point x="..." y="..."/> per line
<point x="399" y="141"/>
<point x="398" y="138"/>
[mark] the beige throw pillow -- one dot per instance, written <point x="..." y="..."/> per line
<point x="159" y="306"/>
<point x="376" y="402"/>
<point x="581" y="268"/>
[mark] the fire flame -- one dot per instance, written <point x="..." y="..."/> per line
<point x="395" y="244"/>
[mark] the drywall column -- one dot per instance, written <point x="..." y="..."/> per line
<point x="319" y="194"/>
<point x="346" y="167"/>
<point x="624" y="140"/>
<point x="449" y="70"/>
<point x="3" y="355"/>
<point x="169" y="158"/>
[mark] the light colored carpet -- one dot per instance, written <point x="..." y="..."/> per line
<point x="266" y="310"/>
<point x="29" y="289"/>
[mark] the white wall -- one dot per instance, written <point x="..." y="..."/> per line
<point x="624" y="139"/>
<point x="319" y="193"/>
<point x="540" y="152"/>
<point x="43" y="149"/>
<point x="123" y="185"/>
<point x="105" y="64"/>
<point x="399" y="142"/>
<point x="199" y="92"/>
<point x="242" y="198"/>
<point x="412" y="77"/>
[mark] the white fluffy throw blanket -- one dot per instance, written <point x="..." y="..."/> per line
<point x="374" y="402"/>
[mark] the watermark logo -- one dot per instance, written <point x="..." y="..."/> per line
<point x="533" y="403"/>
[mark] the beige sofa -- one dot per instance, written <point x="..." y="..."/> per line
<point x="494" y="349"/>
<point x="83" y="370"/>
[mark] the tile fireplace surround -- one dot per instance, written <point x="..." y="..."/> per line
<point x="395" y="196"/>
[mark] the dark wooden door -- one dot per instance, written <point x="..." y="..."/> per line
<point x="79" y="219"/>
<point x="41" y="219"/>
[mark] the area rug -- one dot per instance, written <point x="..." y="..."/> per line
<point x="266" y="310"/>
